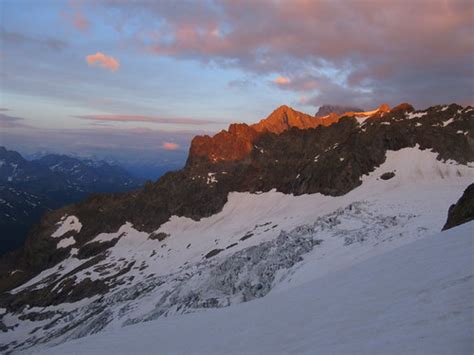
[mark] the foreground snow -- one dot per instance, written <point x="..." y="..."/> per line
<point x="414" y="299"/>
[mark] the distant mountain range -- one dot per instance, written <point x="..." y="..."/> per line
<point x="30" y="188"/>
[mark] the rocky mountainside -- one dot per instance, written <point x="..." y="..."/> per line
<point x="229" y="227"/>
<point x="30" y="188"/>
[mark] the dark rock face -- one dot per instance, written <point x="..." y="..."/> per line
<point x="325" y="110"/>
<point x="463" y="210"/>
<point x="325" y="159"/>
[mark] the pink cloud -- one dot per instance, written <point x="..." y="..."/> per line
<point x="103" y="61"/>
<point x="74" y="16"/>
<point x="298" y="83"/>
<point x="170" y="146"/>
<point x="150" y="119"/>
<point x="281" y="80"/>
<point x="80" y="22"/>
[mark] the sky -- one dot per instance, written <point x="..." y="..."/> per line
<point x="136" y="80"/>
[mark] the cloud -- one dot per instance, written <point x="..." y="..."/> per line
<point x="329" y="92"/>
<point x="150" y="119"/>
<point x="306" y="82"/>
<point x="4" y="109"/>
<point x="7" y="121"/>
<point x="79" y="21"/>
<point x="362" y="46"/>
<point x="23" y="39"/>
<point x="74" y="15"/>
<point x="103" y="61"/>
<point x="281" y="80"/>
<point x="170" y="146"/>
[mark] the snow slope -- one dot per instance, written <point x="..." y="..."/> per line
<point x="264" y="244"/>
<point x="415" y="299"/>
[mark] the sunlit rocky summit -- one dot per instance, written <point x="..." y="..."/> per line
<point x="237" y="142"/>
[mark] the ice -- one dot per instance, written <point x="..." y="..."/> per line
<point x="414" y="299"/>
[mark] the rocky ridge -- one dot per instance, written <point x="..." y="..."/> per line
<point x="237" y="142"/>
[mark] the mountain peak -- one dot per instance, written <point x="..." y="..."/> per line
<point x="384" y="108"/>
<point x="283" y="108"/>
<point x="283" y="118"/>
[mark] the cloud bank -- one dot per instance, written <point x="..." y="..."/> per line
<point x="170" y="146"/>
<point x="365" y="50"/>
<point x="7" y="121"/>
<point x="150" y="119"/>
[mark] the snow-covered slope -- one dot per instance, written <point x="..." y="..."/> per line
<point x="259" y="244"/>
<point x="416" y="299"/>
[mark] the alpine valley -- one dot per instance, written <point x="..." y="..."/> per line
<point x="29" y="188"/>
<point x="344" y="232"/>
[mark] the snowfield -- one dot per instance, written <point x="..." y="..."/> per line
<point x="359" y="273"/>
<point x="416" y="299"/>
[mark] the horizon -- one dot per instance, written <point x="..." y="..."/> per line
<point x="134" y="82"/>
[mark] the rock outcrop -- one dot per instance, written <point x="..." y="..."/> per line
<point x="463" y="210"/>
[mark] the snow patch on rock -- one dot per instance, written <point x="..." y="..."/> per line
<point x="66" y="242"/>
<point x="68" y="224"/>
